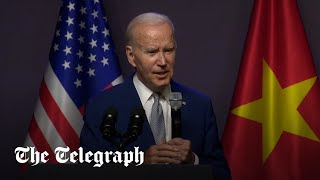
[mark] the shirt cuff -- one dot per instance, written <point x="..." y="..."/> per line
<point x="196" y="159"/>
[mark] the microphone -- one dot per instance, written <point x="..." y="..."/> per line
<point x="175" y="100"/>
<point x="135" y="126"/>
<point x="108" y="125"/>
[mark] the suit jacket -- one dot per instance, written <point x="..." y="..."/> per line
<point x="197" y="118"/>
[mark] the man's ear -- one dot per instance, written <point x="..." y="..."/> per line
<point x="130" y="55"/>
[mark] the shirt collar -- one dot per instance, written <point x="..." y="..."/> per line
<point x="145" y="93"/>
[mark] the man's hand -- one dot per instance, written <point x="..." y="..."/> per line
<point x="175" y="151"/>
<point x="162" y="153"/>
<point x="184" y="149"/>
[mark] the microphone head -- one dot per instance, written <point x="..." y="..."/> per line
<point x="175" y="99"/>
<point x="138" y="110"/>
<point x="136" y="121"/>
<point x="109" y="122"/>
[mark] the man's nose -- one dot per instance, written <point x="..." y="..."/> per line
<point x="162" y="59"/>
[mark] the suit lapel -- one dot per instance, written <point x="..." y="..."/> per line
<point x="146" y="139"/>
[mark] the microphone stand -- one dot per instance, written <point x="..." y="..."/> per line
<point x="135" y="128"/>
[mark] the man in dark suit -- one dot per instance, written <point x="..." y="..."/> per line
<point x="151" y="50"/>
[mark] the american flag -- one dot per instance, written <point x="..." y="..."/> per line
<point x="82" y="63"/>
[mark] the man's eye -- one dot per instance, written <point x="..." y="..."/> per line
<point x="169" y="50"/>
<point x="151" y="52"/>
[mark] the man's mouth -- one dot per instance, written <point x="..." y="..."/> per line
<point x="161" y="74"/>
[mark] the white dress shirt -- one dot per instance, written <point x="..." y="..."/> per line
<point x="146" y="98"/>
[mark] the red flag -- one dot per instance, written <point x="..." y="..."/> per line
<point x="273" y="130"/>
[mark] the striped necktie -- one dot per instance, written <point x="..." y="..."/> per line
<point x="157" y="119"/>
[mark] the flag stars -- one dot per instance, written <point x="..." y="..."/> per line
<point x="91" y="72"/>
<point x="80" y="54"/>
<point x="93" y="43"/>
<point x="68" y="35"/>
<point x="79" y="69"/>
<point x="71" y="6"/>
<point x="92" y="58"/>
<point x="77" y="83"/>
<point x="56" y="47"/>
<point x="105" y="61"/>
<point x="57" y="33"/>
<point x="66" y="65"/>
<point x="105" y="47"/>
<point x="83" y="10"/>
<point x="82" y="25"/>
<point x="284" y="117"/>
<point x="105" y="32"/>
<point x="81" y="39"/>
<point x="67" y="50"/>
<point x="94" y="28"/>
<point x="94" y="14"/>
<point x="69" y="21"/>
<point x="77" y="43"/>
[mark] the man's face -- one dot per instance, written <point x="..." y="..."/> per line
<point x="152" y="53"/>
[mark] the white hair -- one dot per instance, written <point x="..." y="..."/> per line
<point x="149" y="19"/>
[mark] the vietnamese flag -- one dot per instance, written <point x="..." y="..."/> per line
<point x="273" y="129"/>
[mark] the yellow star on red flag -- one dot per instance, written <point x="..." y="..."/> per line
<point x="277" y="110"/>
